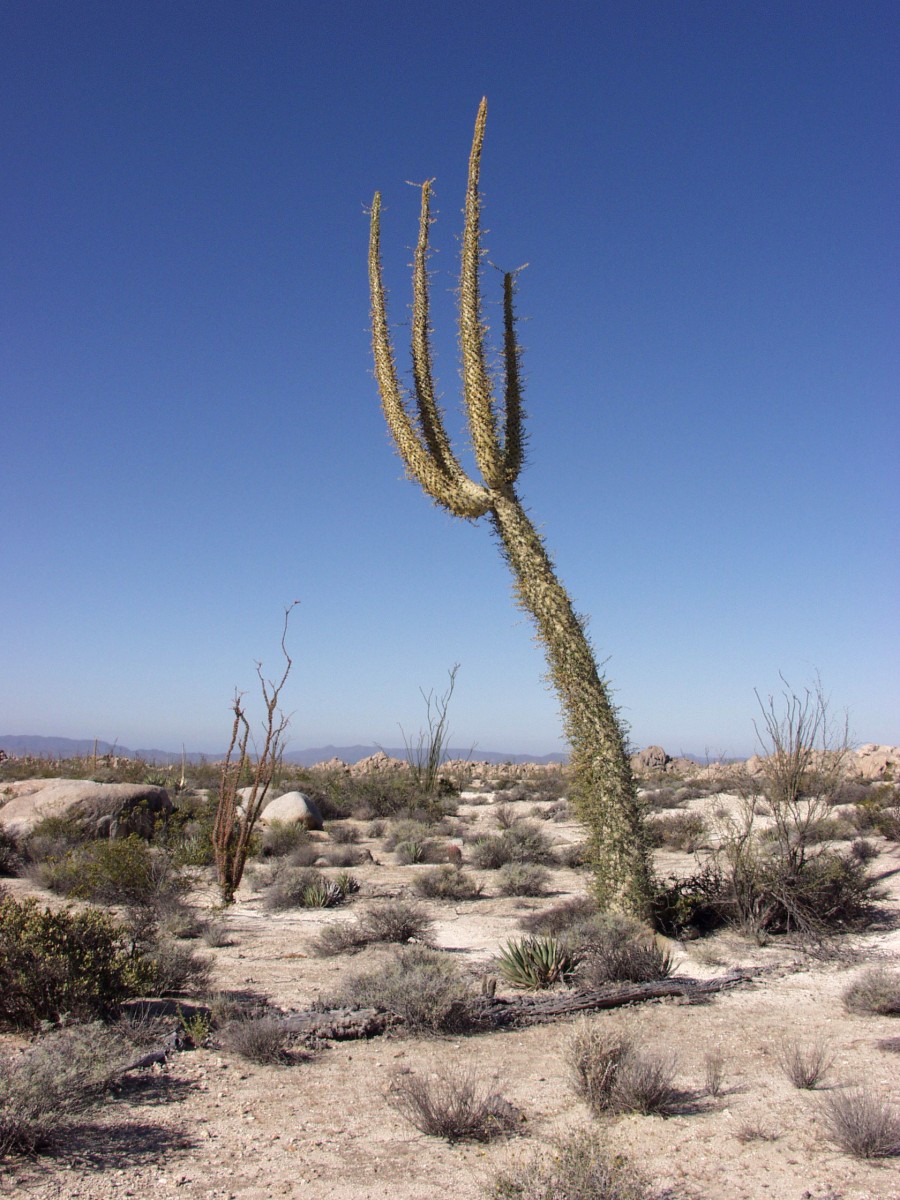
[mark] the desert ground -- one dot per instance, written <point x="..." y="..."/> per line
<point x="208" y="1123"/>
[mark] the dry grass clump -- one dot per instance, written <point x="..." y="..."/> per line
<point x="447" y="883"/>
<point x="421" y="986"/>
<point x="453" y="1104"/>
<point x="862" y="1124"/>
<point x="580" y="1166"/>
<point x="522" y="879"/>
<point x="258" y="1039"/>
<point x="876" y="992"/>
<point x="47" y="1085"/>
<point x="613" y="1077"/>
<point x="805" y="1064"/>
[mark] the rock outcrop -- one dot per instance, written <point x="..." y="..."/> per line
<point x="105" y="809"/>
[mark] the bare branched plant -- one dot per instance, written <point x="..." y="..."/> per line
<point x="246" y="764"/>
<point x="426" y="753"/>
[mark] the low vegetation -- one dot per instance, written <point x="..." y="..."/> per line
<point x="453" y="1103"/>
<point x="579" y="1166"/>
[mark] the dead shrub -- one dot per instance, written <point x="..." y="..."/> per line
<point x="453" y="1104"/>
<point x="714" y="1073"/>
<point x="258" y="1039"/>
<point x="617" y="949"/>
<point x="876" y="993"/>
<point x="43" y="1087"/>
<point x="861" y="1123"/>
<point x="612" y="1076"/>
<point x="805" y="1064"/>
<point x="580" y="1166"/>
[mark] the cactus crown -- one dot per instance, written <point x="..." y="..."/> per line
<point x="416" y="422"/>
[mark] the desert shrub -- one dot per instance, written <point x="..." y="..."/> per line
<point x="124" y="871"/>
<point x="346" y="856"/>
<point x="663" y="797"/>
<point x="300" y="887"/>
<point x="579" y="1166"/>
<point x="259" y="1039"/>
<point x="887" y="823"/>
<point x="342" y="834"/>
<point x="522" y="879"/>
<point x="43" y="1087"/>
<point x="176" y="970"/>
<point x="876" y="992"/>
<point x="616" y="949"/>
<point x="344" y="937"/>
<point x="861" y="1123"/>
<point x="277" y="839"/>
<point x="523" y="842"/>
<point x="453" y="1104"/>
<point x="215" y="933"/>
<point x="805" y="1065"/>
<point x="421" y="986"/>
<point x="447" y="883"/>
<point x="381" y="794"/>
<point x="535" y="962"/>
<point x="678" y="831"/>
<point x="713" y="1073"/>
<point x="506" y="816"/>
<point x="692" y="904"/>
<point x="54" y="837"/>
<point x="610" y="1075"/>
<point x="416" y="850"/>
<point x="396" y="921"/>
<point x="572" y="855"/>
<point x="65" y="963"/>
<point x="560" y="917"/>
<point x="408" y="829"/>
<point x="864" y="851"/>
<point x="10" y="858"/>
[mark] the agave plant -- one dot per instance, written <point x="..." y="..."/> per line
<point x="322" y="894"/>
<point x="535" y="962"/>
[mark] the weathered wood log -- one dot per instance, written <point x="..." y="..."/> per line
<point x="481" y="1013"/>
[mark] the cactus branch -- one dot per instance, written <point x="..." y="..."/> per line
<point x="604" y="789"/>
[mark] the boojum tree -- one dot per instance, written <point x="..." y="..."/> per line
<point x="604" y="793"/>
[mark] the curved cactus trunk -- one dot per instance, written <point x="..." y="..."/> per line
<point x="605" y="796"/>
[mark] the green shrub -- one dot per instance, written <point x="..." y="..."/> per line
<point x="124" y="871"/>
<point x="10" y="858"/>
<point x="280" y="838"/>
<point x="54" y="837"/>
<point x="75" y="964"/>
<point x="535" y="962"/>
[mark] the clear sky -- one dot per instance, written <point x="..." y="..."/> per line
<point x="706" y="195"/>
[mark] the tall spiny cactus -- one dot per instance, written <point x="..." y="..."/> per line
<point x="604" y="793"/>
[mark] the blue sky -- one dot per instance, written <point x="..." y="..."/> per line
<point x="705" y="194"/>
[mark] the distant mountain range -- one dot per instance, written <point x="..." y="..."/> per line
<point x="60" y="747"/>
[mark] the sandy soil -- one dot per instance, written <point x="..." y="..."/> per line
<point x="210" y="1125"/>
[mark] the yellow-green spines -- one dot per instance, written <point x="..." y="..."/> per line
<point x="605" y="795"/>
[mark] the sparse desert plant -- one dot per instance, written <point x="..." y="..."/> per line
<point x="604" y="789"/>
<point x="45" y="1086"/>
<point x="862" y="1123"/>
<point x="522" y="879"/>
<point x="453" y="1103"/>
<point x="580" y="1166"/>
<point x="300" y="887"/>
<point x="340" y="937"/>
<point x="875" y="992"/>
<point x="805" y="1063"/>
<point x="396" y="920"/>
<point x="863" y="850"/>
<point x="414" y="850"/>
<point x="611" y="1075"/>
<point x="64" y="963"/>
<point x="427" y="752"/>
<point x="535" y="962"/>
<point x="506" y="816"/>
<point x="615" y="949"/>
<point x="447" y="883"/>
<point x="421" y="986"/>
<point x="342" y="834"/>
<point x="176" y="970"/>
<point x="11" y="862"/>
<point x="258" y="1039"/>
<point x="235" y="822"/>
<point x="216" y="933"/>
<point x="713" y="1072"/>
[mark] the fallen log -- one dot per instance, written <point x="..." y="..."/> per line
<point x="480" y="1014"/>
